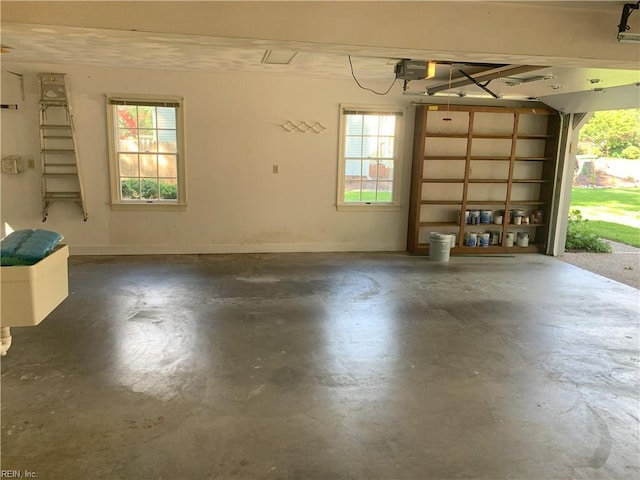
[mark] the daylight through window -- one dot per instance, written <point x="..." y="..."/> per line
<point x="370" y="154"/>
<point x="146" y="151"/>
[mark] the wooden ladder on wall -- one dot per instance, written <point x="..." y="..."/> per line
<point x="61" y="179"/>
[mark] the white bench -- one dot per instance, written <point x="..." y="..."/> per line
<point x="30" y="293"/>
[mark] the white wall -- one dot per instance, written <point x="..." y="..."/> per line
<point x="233" y="138"/>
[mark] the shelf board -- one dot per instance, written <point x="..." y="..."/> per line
<point x="438" y="224"/>
<point x="423" y="248"/>
<point x="513" y="225"/>
<point x="528" y="180"/>
<point x="486" y="202"/>
<point x="480" y="225"/>
<point x="526" y="202"/>
<point x="487" y="136"/>
<point x="483" y="225"/>
<point x="488" y="180"/>
<point x="487" y="158"/>
<point x="532" y="248"/>
<point x="440" y="202"/>
<point x="491" y="159"/>
<point x="491" y="136"/>
<point x="540" y="136"/>
<point x="446" y="135"/>
<point x="501" y="225"/>
<point x="533" y="159"/>
<point x="442" y="180"/>
<point x="445" y="157"/>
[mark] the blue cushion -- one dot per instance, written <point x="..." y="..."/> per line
<point x="12" y="242"/>
<point x="27" y="247"/>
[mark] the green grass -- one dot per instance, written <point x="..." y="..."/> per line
<point x="613" y="213"/>
<point x="367" y="196"/>
<point x="616" y="232"/>
<point x="617" y="205"/>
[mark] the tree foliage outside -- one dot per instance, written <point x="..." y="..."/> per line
<point x="613" y="133"/>
<point x="631" y="152"/>
<point x="145" y="188"/>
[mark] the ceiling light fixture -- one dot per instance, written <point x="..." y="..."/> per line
<point x="278" y="57"/>
<point x="623" y="34"/>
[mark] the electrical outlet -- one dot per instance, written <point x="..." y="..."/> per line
<point x="31" y="163"/>
<point x="275" y="169"/>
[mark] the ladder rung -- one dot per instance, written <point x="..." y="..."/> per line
<point x="52" y="78"/>
<point x="58" y="139"/>
<point x="59" y="175"/>
<point x="62" y="196"/>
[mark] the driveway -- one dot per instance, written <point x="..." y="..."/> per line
<point x="621" y="265"/>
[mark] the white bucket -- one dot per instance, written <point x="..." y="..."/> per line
<point x="523" y="239"/>
<point x="454" y="242"/>
<point x="440" y="247"/>
<point x="510" y="238"/>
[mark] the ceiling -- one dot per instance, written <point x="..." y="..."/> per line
<point x="565" y="88"/>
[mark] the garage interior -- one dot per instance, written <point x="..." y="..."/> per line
<point x="265" y="333"/>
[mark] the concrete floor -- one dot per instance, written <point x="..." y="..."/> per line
<point x="621" y="265"/>
<point x="329" y="367"/>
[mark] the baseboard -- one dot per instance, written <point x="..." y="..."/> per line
<point x="233" y="248"/>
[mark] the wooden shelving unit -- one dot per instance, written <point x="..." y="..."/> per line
<point x="481" y="158"/>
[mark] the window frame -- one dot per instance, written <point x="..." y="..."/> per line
<point x="180" y="204"/>
<point x="398" y="159"/>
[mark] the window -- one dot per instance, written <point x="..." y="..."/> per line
<point x="370" y="157"/>
<point x="146" y="152"/>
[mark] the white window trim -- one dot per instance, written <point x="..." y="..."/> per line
<point x="135" y="205"/>
<point x="395" y="203"/>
